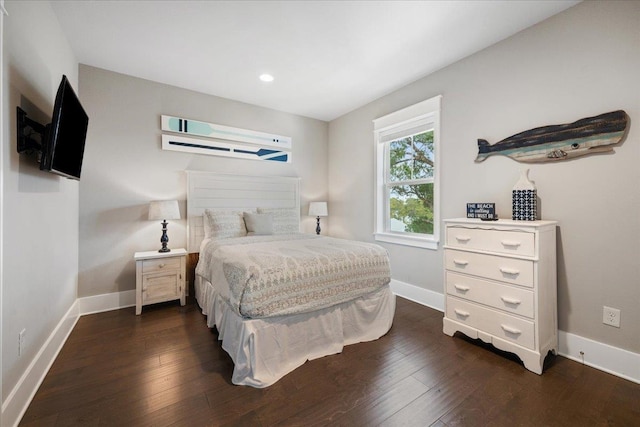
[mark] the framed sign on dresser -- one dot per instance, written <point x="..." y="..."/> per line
<point x="500" y="285"/>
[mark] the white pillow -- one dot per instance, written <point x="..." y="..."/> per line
<point x="285" y="220"/>
<point x="221" y="224"/>
<point x="258" y="224"/>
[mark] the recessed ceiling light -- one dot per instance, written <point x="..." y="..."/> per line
<point x="266" y="77"/>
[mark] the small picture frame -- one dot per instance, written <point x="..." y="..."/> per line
<point x="483" y="211"/>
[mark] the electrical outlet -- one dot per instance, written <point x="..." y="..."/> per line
<point x="21" y="336"/>
<point x="611" y="316"/>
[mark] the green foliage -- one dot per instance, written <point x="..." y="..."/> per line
<point x="412" y="158"/>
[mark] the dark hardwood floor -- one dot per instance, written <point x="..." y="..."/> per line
<point x="166" y="368"/>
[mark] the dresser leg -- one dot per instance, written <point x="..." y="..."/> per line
<point x="534" y="363"/>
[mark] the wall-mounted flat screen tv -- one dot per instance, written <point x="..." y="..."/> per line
<point x="63" y="142"/>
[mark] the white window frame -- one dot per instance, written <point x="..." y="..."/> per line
<point x="406" y="119"/>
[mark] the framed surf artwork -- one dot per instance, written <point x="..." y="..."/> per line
<point x="194" y="136"/>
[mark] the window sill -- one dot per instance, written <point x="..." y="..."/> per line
<point x="398" y="239"/>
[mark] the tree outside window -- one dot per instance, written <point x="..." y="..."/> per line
<point x="410" y="183"/>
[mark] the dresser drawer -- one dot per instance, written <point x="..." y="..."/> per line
<point x="510" y="270"/>
<point x="504" y="297"/>
<point x="160" y="287"/>
<point x="509" y="242"/>
<point x="161" y="264"/>
<point x="493" y="322"/>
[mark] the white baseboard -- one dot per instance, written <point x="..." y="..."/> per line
<point x="18" y="400"/>
<point x="106" y="302"/>
<point x="417" y="294"/>
<point x="613" y="360"/>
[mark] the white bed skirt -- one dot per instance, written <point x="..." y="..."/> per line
<point x="265" y="350"/>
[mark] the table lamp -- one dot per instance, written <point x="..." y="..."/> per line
<point x="318" y="209"/>
<point x="164" y="210"/>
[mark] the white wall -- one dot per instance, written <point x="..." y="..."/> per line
<point x="39" y="210"/>
<point x="2" y="14"/>
<point x="582" y="62"/>
<point x="124" y="167"/>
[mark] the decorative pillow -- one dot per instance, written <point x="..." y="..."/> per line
<point x="258" y="224"/>
<point x="285" y="220"/>
<point x="224" y="223"/>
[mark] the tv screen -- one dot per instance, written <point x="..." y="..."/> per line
<point x="63" y="145"/>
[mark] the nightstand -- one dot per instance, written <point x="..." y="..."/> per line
<point x="160" y="276"/>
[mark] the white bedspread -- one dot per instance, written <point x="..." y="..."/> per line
<point x="264" y="350"/>
<point x="269" y="276"/>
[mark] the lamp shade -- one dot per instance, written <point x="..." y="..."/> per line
<point x="164" y="209"/>
<point x="318" y="209"/>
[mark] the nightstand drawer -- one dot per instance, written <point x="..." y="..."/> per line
<point x="504" y="297"/>
<point x="509" y="242"/>
<point x="510" y="270"/>
<point x="161" y="264"/>
<point x="498" y="324"/>
<point x="160" y="287"/>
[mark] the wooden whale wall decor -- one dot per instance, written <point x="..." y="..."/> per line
<point x="560" y="142"/>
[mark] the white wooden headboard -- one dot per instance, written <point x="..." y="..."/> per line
<point x="207" y="190"/>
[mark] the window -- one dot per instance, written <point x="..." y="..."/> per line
<point x="407" y="208"/>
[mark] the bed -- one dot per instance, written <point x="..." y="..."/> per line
<point x="279" y="297"/>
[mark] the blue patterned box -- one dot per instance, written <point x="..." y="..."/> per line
<point x="525" y="205"/>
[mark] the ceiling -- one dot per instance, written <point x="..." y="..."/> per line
<point x="327" y="57"/>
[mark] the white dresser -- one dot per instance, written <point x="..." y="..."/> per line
<point x="500" y="285"/>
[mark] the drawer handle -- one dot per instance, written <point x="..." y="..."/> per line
<point x="462" y="313"/>
<point x="511" y="243"/>
<point x="510" y="271"/>
<point x="461" y="288"/>
<point x="460" y="262"/>
<point x="161" y="265"/>
<point x="511" y="330"/>
<point x="510" y="300"/>
<point x="463" y="239"/>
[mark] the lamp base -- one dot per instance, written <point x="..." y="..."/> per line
<point x="318" y="225"/>
<point x="164" y="239"/>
